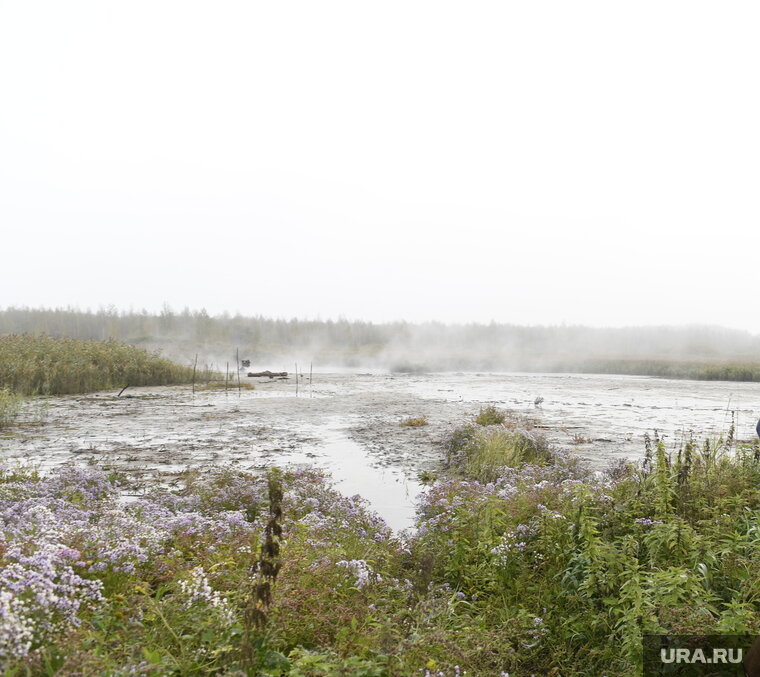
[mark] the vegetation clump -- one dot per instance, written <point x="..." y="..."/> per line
<point x="9" y="407"/>
<point x="697" y="370"/>
<point x="44" y="365"/>
<point x="490" y="415"/>
<point x="414" y="422"/>
<point x="483" y="454"/>
<point x="188" y="582"/>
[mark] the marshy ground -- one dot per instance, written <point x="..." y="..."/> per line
<point x="351" y="424"/>
<point x="523" y="560"/>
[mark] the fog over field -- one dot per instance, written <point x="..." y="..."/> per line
<point x="400" y="346"/>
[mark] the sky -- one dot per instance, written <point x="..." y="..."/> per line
<point x="531" y="163"/>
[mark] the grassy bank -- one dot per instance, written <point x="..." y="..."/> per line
<point x="523" y="562"/>
<point x="697" y="370"/>
<point x="43" y="365"/>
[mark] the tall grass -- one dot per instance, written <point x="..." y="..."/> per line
<point x="9" y="406"/>
<point x="483" y="453"/>
<point x="697" y="370"/>
<point x="490" y="415"/>
<point x="43" y="365"/>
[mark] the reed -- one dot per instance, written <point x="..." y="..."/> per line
<point x="9" y="407"/>
<point x="483" y="453"/>
<point x="44" y="365"/>
<point x="697" y="370"/>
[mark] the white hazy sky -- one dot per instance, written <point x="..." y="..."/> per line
<point x="527" y="162"/>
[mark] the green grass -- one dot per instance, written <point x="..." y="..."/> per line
<point x="483" y="453"/>
<point x="10" y="404"/>
<point x="414" y="422"/>
<point x="490" y="415"/>
<point x="697" y="370"/>
<point x="43" y="365"/>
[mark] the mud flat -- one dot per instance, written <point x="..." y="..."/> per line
<point x="349" y="424"/>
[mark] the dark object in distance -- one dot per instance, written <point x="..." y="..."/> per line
<point x="757" y="428"/>
<point x="245" y="363"/>
<point x="270" y="374"/>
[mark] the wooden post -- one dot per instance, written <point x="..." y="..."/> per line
<point x="195" y="364"/>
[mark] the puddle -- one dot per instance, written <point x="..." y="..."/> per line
<point x="390" y="491"/>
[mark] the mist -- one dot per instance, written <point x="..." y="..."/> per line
<point x="341" y="344"/>
<point x="527" y="163"/>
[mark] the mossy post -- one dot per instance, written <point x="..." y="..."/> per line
<point x="263" y="574"/>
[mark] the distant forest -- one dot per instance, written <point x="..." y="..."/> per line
<point x="692" y="352"/>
